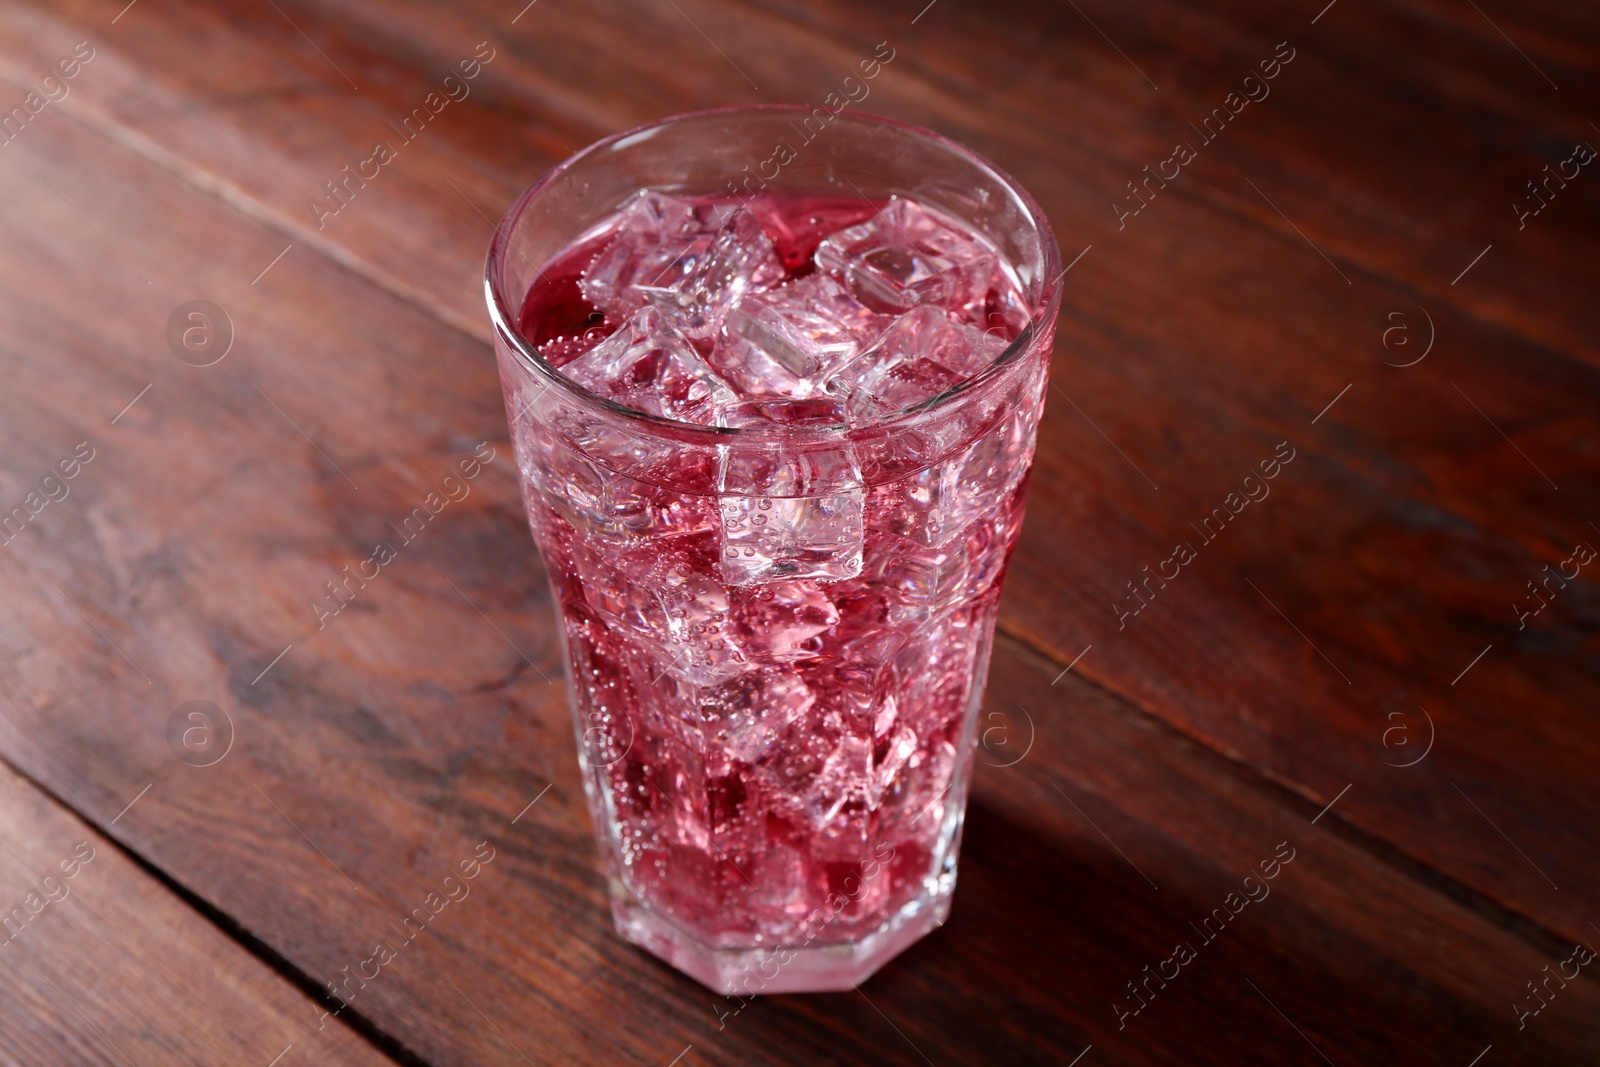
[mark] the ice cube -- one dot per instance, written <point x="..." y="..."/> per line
<point x="922" y="798"/>
<point x="648" y="590"/>
<point x="935" y="669"/>
<point x="782" y="622"/>
<point x="918" y="583"/>
<point x="846" y="776"/>
<point x="780" y="872"/>
<point x="659" y="243"/>
<point x="864" y="638"/>
<point x="918" y="507"/>
<point x="568" y="482"/>
<point x="617" y="597"/>
<point x="988" y="549"/>
<point x="759" y="360"/>
<point x="739" y="259"/>
<point x="889" y="756"/>
<point x="923" y="354"/>
<point x="747" y="714"/>
<point x="705" y="650"/>
<point x="990" y="473"/>
<point x="907" y="255"/>
<point x="784" y="342"/>
<point x="690" y="260"/>
<point x="648" y="365"/>
<point x="639" y="511"/>
<point x="826" y="313"/>
<point x="992" y="302"/>
<point x="790" y="513"/>
<point x="947" y="499"/>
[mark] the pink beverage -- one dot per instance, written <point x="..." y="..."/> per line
<point x="775" y="447"/>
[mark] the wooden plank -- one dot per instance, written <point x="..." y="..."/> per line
<point x="1076" y="97"/>
<point x="1127" y="806"/>
<point x="372" y="756"/>
<point x="101" y="964"/>
<point x="1403" y="162"/>
<point x="250" y="71"/>
<point x="1265" y="336"/>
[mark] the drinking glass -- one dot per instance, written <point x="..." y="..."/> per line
<point x="776" y="637"/>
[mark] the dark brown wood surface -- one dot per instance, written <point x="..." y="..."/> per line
<point x="101" y="963"/>
<point x="1282" y="289"/>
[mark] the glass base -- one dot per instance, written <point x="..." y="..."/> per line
<point x="777" y="969"/>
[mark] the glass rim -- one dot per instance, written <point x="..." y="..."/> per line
<point x="504" y="316"/>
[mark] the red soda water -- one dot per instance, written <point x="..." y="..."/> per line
<point x="776" y="658"/>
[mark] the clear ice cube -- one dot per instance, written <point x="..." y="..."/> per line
<point x="783" y="622"/>
<point x="749" y="713"/>
<point x="946" y="500"/>
<point x="790" y="514"/>
<point x="846" y="775"/>
<point x="784" y="342"/>
<point x="740" y="259"/>
<point x="918" y="583"/>
<point x="919" y="507"/>
<point x="641" y="512"/>
<point x="889" y="757"/>
<point x="660" y="242"/>
<point x="690" y="260"/>
<point x="991" y="471"/>
<point x="923" y="354"/>
<point x="906" y="255"/>
<point x="573" y="485"/>
<point x="648" y="365"/>
<point x="704" y="649"/>
<point x="992" y="302"/>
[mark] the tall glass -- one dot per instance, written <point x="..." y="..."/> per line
<point x="776" y="637"/>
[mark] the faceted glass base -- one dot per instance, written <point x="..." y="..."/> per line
<point x="780" y="969"/>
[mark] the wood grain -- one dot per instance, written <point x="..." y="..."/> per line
<point x="101" y="964"/>
<point x="376" y="753"/>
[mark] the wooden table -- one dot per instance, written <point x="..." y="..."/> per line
<point x="1385" y="669"/>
